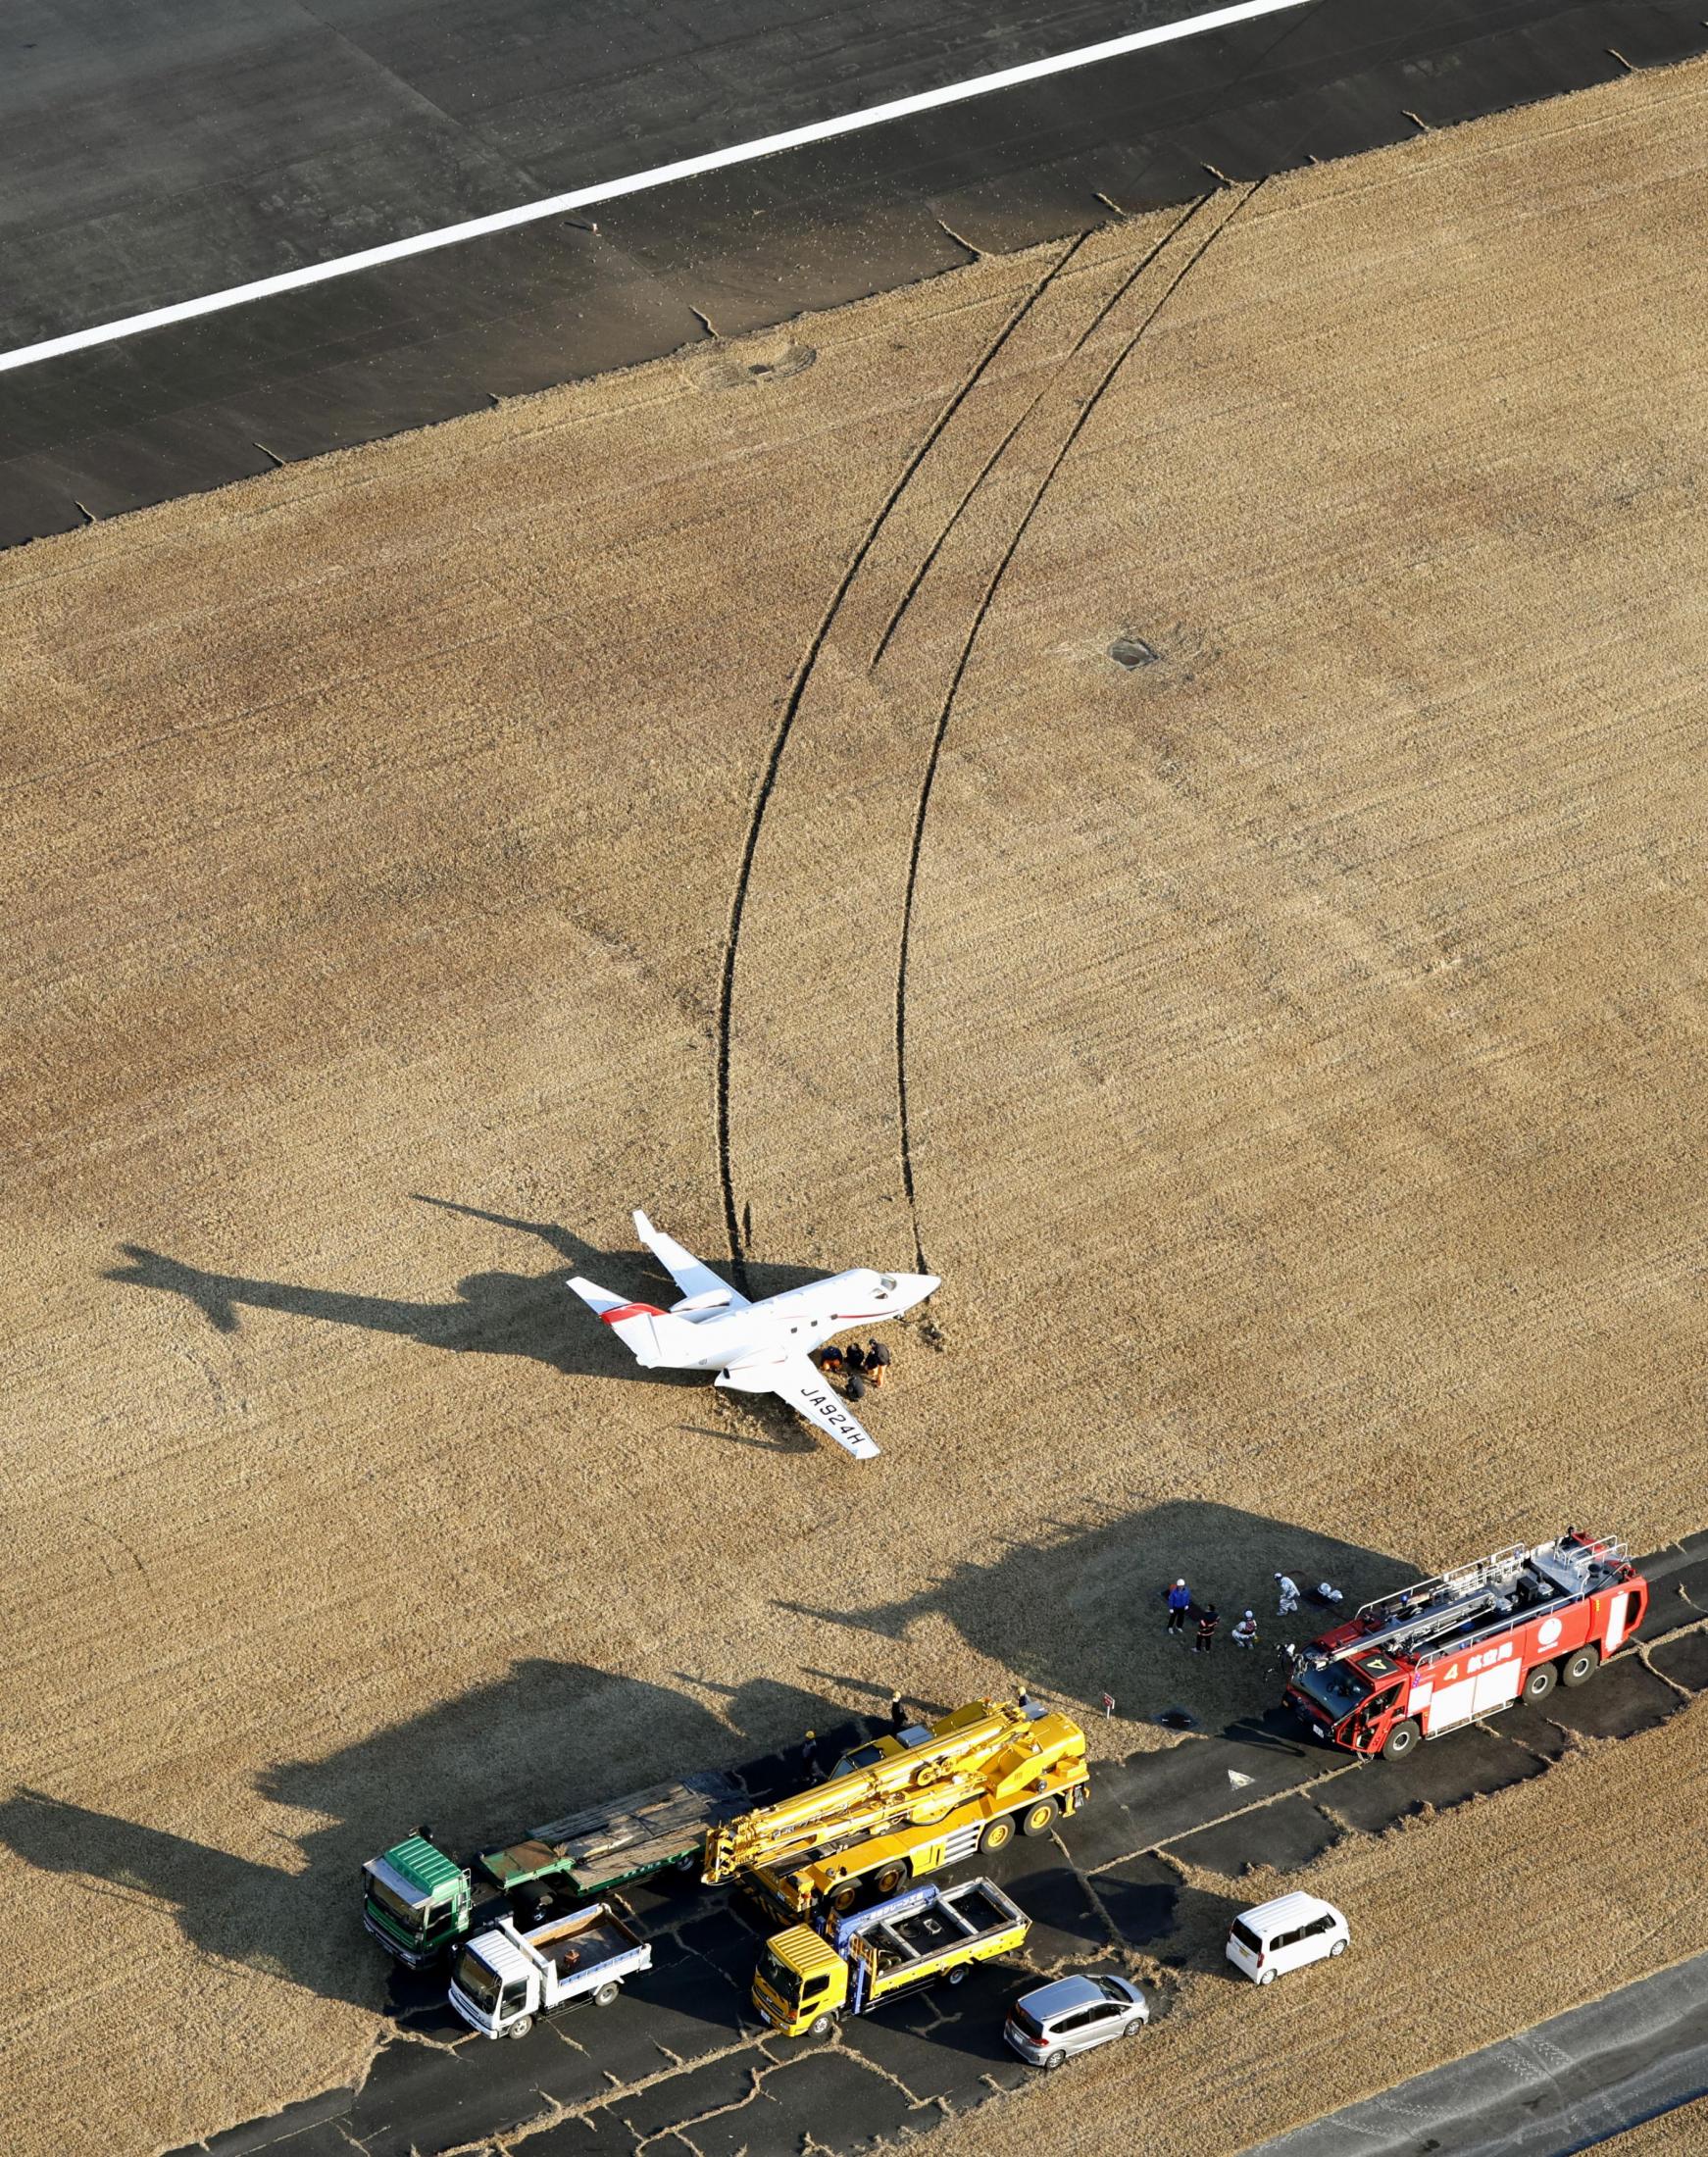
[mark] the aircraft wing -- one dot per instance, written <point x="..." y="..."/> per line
<point x="700" y="1287"/>
<point x="799" y="1382"/>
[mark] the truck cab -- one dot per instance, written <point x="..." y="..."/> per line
<point x="1355" y="1704"/>
<point x="414" y="1901"/>
<point x="800" y="1985"/>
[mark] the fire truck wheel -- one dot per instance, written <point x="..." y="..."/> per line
<point x="1575" y="1668"/>
<point x="1540" y="1681"/>
<point x="1037" y="1818"/>
<point x="998" y="1836"/>
<point x="605" y="1995"/>
<point x="521" y="2027"/>
<point x="888" y="1878"/>
<point x="1401" y="1739"/>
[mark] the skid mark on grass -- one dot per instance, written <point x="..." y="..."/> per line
<point x="911" y="588"/>
<point x="733" y="1222"/>
<point x="856" y="751"/>
<point x="981" y="614"/>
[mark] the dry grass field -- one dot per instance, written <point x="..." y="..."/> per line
<point x="1289" y="1050"/>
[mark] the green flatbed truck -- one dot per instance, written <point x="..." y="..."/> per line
<point x="418" y="1902"/>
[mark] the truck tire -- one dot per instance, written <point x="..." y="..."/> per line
<point x="888" y="1879"/>
<point x="521" y="2027"/>
<point x="998" y="1835"/>
<point x="819" y="2025"/>
<point x="957" y="1976"/>
<point x="1036" y="1819"/>
<point x="1401" y="1739"/>
<point x="606" y="1995"/>
<point x="1541" y="1682"/>
<point x="1584" y="1665"/>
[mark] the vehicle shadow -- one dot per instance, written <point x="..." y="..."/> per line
<point x="545" y="1740"/>
<point x="493" y="1314"/>
<point x="1079" y="1612"/>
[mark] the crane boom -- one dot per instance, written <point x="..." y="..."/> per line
<point x="986" y="1758"/>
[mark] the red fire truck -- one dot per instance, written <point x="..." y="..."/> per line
<point x="1453" y="1649"/>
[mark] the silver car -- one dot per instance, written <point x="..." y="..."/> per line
<point x="1074" y="2015"/>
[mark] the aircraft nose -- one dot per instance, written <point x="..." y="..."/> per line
<point x="921" y="1285"/>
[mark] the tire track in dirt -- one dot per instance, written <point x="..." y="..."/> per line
<point x="792" y="704"/>
<point x="981" y="615"/>
<point x="812" y="1029"/>
<point x="936" y="546"/>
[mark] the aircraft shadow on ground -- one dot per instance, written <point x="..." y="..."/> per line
<point x="494" y="1314"/>
<point x="545" y="1739"/>
<point x="1079" y="1611"/>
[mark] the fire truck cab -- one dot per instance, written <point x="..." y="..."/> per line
<point x="1453" y="1649"/>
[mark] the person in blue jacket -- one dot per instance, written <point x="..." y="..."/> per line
<point x="1179" y="1600"/>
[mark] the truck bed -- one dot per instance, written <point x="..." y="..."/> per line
<point x="603" y="1845"/>
<point x="926" y="1923"/>
<point x="576" y="1946"/>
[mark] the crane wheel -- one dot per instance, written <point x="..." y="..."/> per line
<point x="1401" y="1739"/>
<point x="844" y="1899"/>
<point x="1577" y="1667"/>
<point x="1036" y="1820"/>
<point x="1540" y="1681"/>
<point x="997" y="1836"/>
<point x="888" y="1878"/>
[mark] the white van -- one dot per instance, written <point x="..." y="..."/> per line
<point x="1285" y="1935"/>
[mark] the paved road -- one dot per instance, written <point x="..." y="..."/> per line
<point x="1564" y="2085"/>
<point x="154" y="153"/>
<point x="686" y="2056"/>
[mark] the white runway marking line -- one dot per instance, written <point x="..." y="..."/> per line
<point x="661" y="175"/>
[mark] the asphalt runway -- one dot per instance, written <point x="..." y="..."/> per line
<point x="679" y="2049"/>
<point x="160" y="155"/>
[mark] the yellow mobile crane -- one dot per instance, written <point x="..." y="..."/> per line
<point x="905" y="1805"/>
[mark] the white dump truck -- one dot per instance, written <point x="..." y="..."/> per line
<point x="504" y="1978"/>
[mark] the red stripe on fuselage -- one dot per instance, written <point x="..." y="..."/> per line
<point x="630" y="1310"/>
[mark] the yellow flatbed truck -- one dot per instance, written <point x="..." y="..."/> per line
<point x="906" y="1805"/>
<point x="808" y="1979"/>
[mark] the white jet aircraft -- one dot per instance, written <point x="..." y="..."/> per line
<point x="756" y="1348"/>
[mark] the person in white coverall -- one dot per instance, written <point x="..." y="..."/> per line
<point x="1288" y="1591"/>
